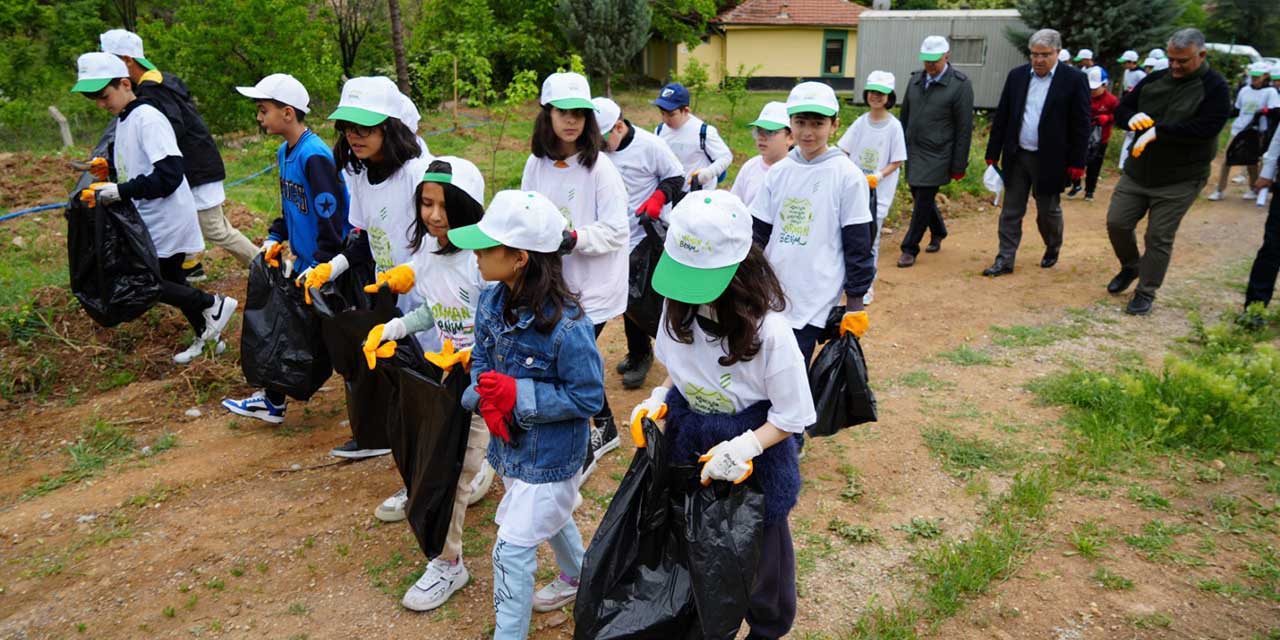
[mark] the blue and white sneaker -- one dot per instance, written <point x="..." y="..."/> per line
<point x="257" y="406"/>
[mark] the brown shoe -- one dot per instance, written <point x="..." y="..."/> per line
<point x="906" y="260"/>
<point x="934" y="246"/>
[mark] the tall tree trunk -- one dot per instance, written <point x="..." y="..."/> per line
<point x="397" y="45"/>
<point x="608" y="85"/>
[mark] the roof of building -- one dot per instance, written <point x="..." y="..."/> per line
<point x="793" y="12"/>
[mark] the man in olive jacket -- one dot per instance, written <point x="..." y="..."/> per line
<point x="1176" y="115"/>
<point x="937" y="116"/>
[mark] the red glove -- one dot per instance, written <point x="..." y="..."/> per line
<point x="1075" y="173"/>
<point x="990" y="163"/>
<point x="653" y="206"/>
<point x="957" y="177"/>
<point x="497" y="400"/>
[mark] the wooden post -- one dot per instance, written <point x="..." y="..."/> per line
<point x="63" y="127"/>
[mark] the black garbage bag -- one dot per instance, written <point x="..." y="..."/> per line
<point x="281" y="346"/>
<point x="115" y="273"/>
<point x="429" y="444"/>
<point x="671" y="558"/>
<point x="1246" y="147"/>
<point x="841" y="394"/>
<point x="644" y="305"/>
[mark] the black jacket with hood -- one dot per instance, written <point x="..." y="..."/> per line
<point x="200" y="154"/>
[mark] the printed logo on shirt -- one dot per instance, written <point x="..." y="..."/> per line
<point x="869" y="159"/>
<point x="453" y="321"/>
<point x="726" y="379"/>
<point x="797" y="218"/>
<point x="464" y="295"/>
<point x="568" y="218"/>
<point x="380" y="246"/>
<point x="294" y="193"/>
<point x="707" y="401"/>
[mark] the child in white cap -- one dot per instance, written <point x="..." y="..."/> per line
<point x="447" y="279"/>
<point x="655" y="180"/>
<point x="313" y="204"/>
<point x="1133" y="74"/>
<point x="146" y="167"/>
<point x="536" y="379"/>
<point x="876" y="144"/>
<point x="772" y="133"/>
<point x="1253" y="101"/>
<point x="813" y="217"/>
<point x="737" y="391"/>
<point x="570" y="167"/>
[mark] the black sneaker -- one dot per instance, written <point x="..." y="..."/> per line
<point x="1075" y="188"/>
<point x="604" y="438"/>
<point x="1088" y="196"/>
<point x="634" y="377"/>
<point x="353" y="451"/>
<point x="1140" y="305"/>
<point x="195" y="273"/>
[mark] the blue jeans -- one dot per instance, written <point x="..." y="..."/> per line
<point x="513" y="573"/>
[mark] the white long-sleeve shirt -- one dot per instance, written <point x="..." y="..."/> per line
<point x="687" y="145"/>
<point x="1270" y="160"/>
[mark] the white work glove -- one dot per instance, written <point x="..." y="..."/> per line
<point x="1140" y="121"/>
<point x="703" y="178"/>
<point x="731" y="460"/>
<point x="394" y="329"/>
<point x="316" y="276"/>
<point x="267" y="244"/>
<point x="1143" y="140"/>
<point x="107" y="193"/>
<point x="654" y="408"/>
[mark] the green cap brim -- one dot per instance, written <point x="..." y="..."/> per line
<point x="811" y="108"/>
<point x="573" y="103"/>
<point x="879" y="88"/>
<point x="91" y="85"/>
<point x="687" y="284"/>
<point x="1078" y="59"/>
<point x="362" y="117"/>
<point x="146" y="64"/>
<point x="1257" y="73"/>
<point x="471" y="237"/>
<point x="442" y="178"/>
<point x="931" y="57"/>
<point x="768" y="125"/>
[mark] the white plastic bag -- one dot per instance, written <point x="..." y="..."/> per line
<point x="993" y="181"/>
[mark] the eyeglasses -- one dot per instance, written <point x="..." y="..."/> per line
<point x="765" y="134"/>
<point x="350" y="128"/>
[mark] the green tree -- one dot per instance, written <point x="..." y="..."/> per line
<point x="607" y="32"/>
<point x="1252" y="22"/>
<point x="1108" y="27"/>
<point x="684" y="20"/>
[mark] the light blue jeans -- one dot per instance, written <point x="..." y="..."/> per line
<point x="513" y="574"/>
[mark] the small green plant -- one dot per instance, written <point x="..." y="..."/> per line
<point x="237" y="571"/>
<point x="962" y="455"/>
<point x="1089" y="539"/>
<point x="923" y="380"/>
<point x="1110" y="580"/>
<point x="1024" y="336"/>
<point x="1156" y="538"/>
<point x="853" y="490"/>
<point x="100" y="444"/>
<point x="920" y="528"/>
<point x="965" y="356"/>
<point x="694" y="78"/>
<point x="169" y="612"/>
<point x="215" y="584"/>
<point x="734" y="87"/>
<point x="1148" y="498"/>
<point x="1152" y="621"/>
<point x="299" y="609"/>
<point x="853" y="533"/>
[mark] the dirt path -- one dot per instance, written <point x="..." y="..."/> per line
<point x="217" y="537"/>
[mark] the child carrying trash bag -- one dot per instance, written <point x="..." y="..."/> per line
<point x="447" y="280"/>
<point x="536" y="379"/>
<point x="737" y="389"/>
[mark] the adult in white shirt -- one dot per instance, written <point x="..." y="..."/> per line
<point x="1253" y="101"/>
<point x="697" y="145"/>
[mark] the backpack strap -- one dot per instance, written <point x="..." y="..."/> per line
<point x="658" y="131"/>
<point x="702" y="141"/>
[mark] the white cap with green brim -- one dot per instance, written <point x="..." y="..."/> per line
<point x="282" y="88"/>
<point x="566" y="91"/>
<point x="517" y="219"/>
<point x="96" y="70"/>
<point x="462" y="174"/>
<point x="409" y="113"/>
<point x="1161" y="64"/>
<point x="1259" y="68"/>
<point x="120" y="42"/>
<point x="1149" y="62"/>
<point x="772" y="117"/>
<point x="709" y="236"/>
<point x="812" y="97"/>
<point x="368" y="101"/>
<point x="881" y="81"/>
<point x="607" y="113"/>
<point x="933" y="48"/>
<point x="1128" y="56"/>
<point x="1084" y="54"/>
<point x="1157" y="53"/>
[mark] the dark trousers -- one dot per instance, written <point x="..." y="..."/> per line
<point x="1166" y="205"/>
<point x="773" y="599"/>
<point x="605" y="411"/>
<point x="1091" y="172"/>
<point x="924" y="217"/>
<point x="1262" y="278"/>
<point x="638" y="346"/>
<point x="807" y="339"/>
<point x="175" y="292"/>
<point x="1019" y="185"/>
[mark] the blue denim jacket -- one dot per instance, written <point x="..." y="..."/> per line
<point x="559" y="385"/>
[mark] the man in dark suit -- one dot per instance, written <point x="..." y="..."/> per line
<point x="1041" y="131"/>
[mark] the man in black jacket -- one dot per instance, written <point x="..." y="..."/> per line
<point x="203" y="164"/>
<point x="1177" y="114"/>
<point x="1041" y="130"/>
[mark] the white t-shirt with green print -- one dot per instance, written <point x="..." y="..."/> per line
<point x="449" y="286"/>
<point x="386" y="211"/>
<point x="776" y="374"/>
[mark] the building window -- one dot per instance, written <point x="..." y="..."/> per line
<point x="968" y="50"/>
<point x="833" y="52"/>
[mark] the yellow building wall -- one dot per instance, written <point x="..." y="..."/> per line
<point x="709" y="53"/>
<point x="786" y="52"/>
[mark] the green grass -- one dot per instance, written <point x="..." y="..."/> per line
<point x="100" y="444"/>
<point x="1089" y="539"/>
<point x="1156" y="538"/>
<point x="924" y="380"/>
<point x="1108" y="579"/>
<point x="1152" y="621"/>
<point x="853" y="489"/>
<point x="965" y="356"/>
<point x="41" y="262"/>
<point x="1148" y="498"/>
<point x="1026" y="336"/>
<point x="854" y="533"/>
<point x="920" y="529"/>
<point x="962" y="455"/>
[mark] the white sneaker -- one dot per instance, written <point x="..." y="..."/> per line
<point x="1238" y="179"/>
<point x="868" y="297"/>
<point x="435" y="586"/>
<point x="1251" y="195"/>
<point x="392" y="510"/>
<point x="217" y="316"/>
<point x="555" y="595"/>
<point x="481" y="483"/>
<point x="197" y="347"/>
<point x="1215" y="196"/>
